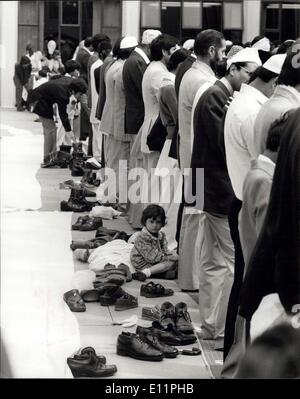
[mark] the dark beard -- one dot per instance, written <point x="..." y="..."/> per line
<point x="213" y="64"/>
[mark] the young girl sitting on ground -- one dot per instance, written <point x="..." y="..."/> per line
<point x="150" y="255"/>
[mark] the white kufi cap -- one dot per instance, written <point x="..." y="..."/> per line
<point x="274" y="63"/>
<point x="149" y="35"/>
<point x="246" y="55"/>
<point x="128" y="42"/>
<point x="263" y="44"/>
<point x="189" y="44"/>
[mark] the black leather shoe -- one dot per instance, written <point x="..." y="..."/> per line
<point x="125" y="302"/>
<point x="132" y="345"/>
<point x="111" y="295"/>
<point x="91" y="223"/>
<point x="151" y="339"/>
<point x="85" y="355"/>
<point x="77" y="202"/>
<point x="171" y="336"/>
<point x="79" y="222"/>
<point x="183" y="319"/>
<point x="93" y="369"/>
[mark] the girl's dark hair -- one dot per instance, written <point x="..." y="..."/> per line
<point x="153" y="211"/>
<point x="176" y="58"/>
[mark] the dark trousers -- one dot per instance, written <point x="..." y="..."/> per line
<point x="19" y="91"/>
<point x="233" y="303"/>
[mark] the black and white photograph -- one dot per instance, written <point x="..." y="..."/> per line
<point x="150" y="192"/>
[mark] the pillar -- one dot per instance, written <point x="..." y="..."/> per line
<point x="8" y="51"/>
<point x="252" y="15"/>
<point x="131" y="18"/>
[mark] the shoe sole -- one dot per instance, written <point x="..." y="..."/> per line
<point x="170" y="355"/>
<point x="86" y="375"/>
<point x="126" y="307"/>
<point x="122" y="352"/>
<point x="155" y="296"/>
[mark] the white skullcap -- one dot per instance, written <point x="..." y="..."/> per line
<point x="263" y="44"/>
<point x="229" y="43"/>
<point x="274" y="63"/>
<point x="128" y="42"/>
<point x="189" y="44"/>
<point x="149" y="35"/>
<point x="51" y="46"/>
<point x="246" y="55"/>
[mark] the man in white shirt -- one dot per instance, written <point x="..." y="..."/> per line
<point x="286" y="96"/>
<point x="239" y="144"/>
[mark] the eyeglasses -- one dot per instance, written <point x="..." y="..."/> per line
<point x="246" y="70"/>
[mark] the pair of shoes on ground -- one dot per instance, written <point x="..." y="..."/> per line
<point x="112" y="274"/>
<point x="109" y="294"/>
<point x="178" y="316"/>
<point x="69" y="184"/>
<point x="167" y="314"/>
<point x="87" y="223"/>
<point x="152" y="290"/>
<point x="144" y="346"/>
<point x="88" y="364"/>
<point x="77" y="201"/>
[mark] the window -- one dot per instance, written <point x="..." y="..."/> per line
<point x="171" y="17"/>
<point x="233" y="16"/>
<point x="290" y="20"/>
<point x="191" y="15"/>
<point x="272" y="16"/>
<point x="281" y="20"/>
<point x="212" y="15"/>
<point x="70" y="13"/>
<point x="150" y="14"/>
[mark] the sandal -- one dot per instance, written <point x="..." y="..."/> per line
<point x="152" y="290"/>
<point x="74" y="301"/>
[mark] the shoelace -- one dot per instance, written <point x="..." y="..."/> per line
<point x="185" y="314"/>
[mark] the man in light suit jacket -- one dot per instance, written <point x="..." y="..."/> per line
<point x="209" y="48"/>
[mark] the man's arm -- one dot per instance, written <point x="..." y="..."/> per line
<point x="62" y="110"/>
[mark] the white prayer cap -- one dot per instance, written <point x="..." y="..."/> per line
<point x="246" y="55"/>
<point x="189" y="44"/>
<point x="229" y="43"/>
<point x="274" y="63"/>
<point x="263" y="44"/>
<point x="128" y="42"/>
<point x="51" y="46"/>
<point x="149" y="35"/>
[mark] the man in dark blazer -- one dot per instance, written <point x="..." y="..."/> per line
<point x="83" y="57"/>
<point x="217" y="254"/>
<point x="133" y="73"/>
<point x="57" y="91"/>
<point x="185" y="66"/>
